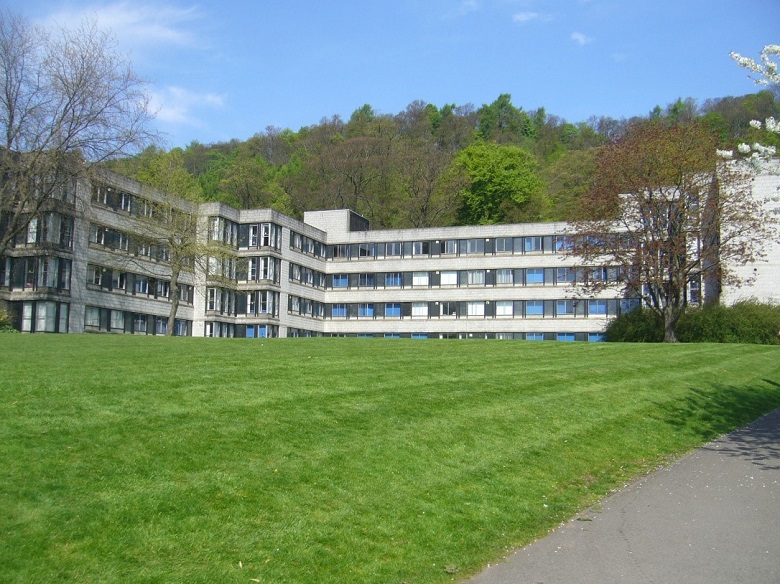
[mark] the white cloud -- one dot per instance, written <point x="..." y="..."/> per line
<point x="529" y="16"/>
<point x="136" y="25"/>
<point x="177" y="105"/>
<point x="467" y="6"/>
<point x="580" y="38"/>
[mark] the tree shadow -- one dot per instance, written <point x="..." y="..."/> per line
<point x="713" y="414"/>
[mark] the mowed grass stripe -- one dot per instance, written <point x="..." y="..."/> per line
<point x="333" y="460"/>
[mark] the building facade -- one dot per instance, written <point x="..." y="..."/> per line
<point x="82" y="266"/>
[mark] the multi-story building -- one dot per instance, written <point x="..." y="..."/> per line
<point x="84" y="266"/>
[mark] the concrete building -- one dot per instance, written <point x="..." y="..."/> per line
<point x="82" y="267"/>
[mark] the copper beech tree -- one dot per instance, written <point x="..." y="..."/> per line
<point x="666" y="216"/>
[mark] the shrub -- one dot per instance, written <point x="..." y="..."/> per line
<point x="6" y="318"/>
<point x="744" y="322"/>
<point x="637" y="326"/>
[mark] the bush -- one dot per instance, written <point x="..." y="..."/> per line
<point x="638" y="326"/>
<point x="744" y="322"/>
<point x="6" y="319"/>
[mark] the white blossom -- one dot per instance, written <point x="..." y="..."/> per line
<point x="743" y="148"/>
<point x="727" y="154"/>
<point x="755" y="124"/>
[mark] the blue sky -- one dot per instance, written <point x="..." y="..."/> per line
<point x="222" y="69"/>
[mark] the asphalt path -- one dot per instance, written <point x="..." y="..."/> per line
<point x="712" y="517"/>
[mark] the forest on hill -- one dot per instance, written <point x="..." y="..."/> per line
<point x="427" y="165"/>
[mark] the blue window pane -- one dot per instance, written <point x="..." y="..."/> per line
<point x="596" y="337"/>
<point x="534" y="336"/>
<point x="419" y="336"/>
<point x="250" y="331"/>
<point x="534" y="276"/>
<point x="534" y="308"/>
<point x="339" y="310"/>
<point x="340" y="281"/>
<point x="566" y="337"/>
<point x="393" y="279"/>
<point x="392" y="310"/>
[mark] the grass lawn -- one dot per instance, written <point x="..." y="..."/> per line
<point x="145" y="459"/>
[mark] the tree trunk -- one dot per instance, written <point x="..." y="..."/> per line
<point x="174" y="290"/>
<point x="670" y="324"/>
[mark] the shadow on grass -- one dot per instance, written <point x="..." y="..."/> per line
<point x="726" y="409"/>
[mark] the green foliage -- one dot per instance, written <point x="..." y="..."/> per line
<point x="317" y="460"/>
<point x="502" y="177"/>
<point x="743" y="322"/>
<point x="6" y="319"/>
<point x="636" y="326"/>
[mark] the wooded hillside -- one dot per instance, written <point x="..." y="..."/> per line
<point x="429" y="165"/>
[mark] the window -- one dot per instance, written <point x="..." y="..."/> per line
<point x="534" y="276"/>
<point x="32" y="231"/>
<point x="474" y="246"/>
<point x="476" y="277"/>
<point x="125" y="200"/>
<point x="141" y="285"/>
<point x="449" y="278"/>
<point x="366" y="280"/>
<point x="533" y="244"/>
<point x="251" y="303"/>
<point x="597" y="307"/>
<point x="564" y="275"/>
<point x="47" y="317"/>
<point x="339" y="311"/>
<point x="27" y="316"/>
<point x="421" y="248"/>
<point x="504" y="308"/>
<point x="340" y="280"/>
<point x="534" y="308"/>
<point x="253" y="231"/>
<point x="565" y="337"/>
<point x="251" y="269"/>
<point x="503" y="245"/>
<point x="449" y="247"/>
<point x="118" y="280"/>
<point x="504" y="277"/>
<point x="366" y="250"/>
<point x="564" y="307"/>
<point x="476" y="309"/>
<point x="95" y="275"/>
<point x="117" y="320"/>
<point x="393" y="279"/>
<point x="366" y="310"/>
<point x="160" y="325"/>
<point x="562" y="243"/>
<point x="595" y="337"/>
<point x="392" y="310"/>
<point x="92" y="317"/>
<point x="420" y="279"/>
<point x="420" y="309"/>
<point x="534" y="336"/>
<point x="393" y="249"/>
<point x="341" y="251"/>
<point x="449" y="309"/>
<point x="419" y="335"/>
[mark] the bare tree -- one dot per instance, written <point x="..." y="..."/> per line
<point x="664" y="216"/>
<point x="68" y="101"/>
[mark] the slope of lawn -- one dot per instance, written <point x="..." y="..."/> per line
<point x="145" y="459"/>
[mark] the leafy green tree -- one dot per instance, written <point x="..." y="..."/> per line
<point x="503" y="122"/>
<point x="501" y="178"/>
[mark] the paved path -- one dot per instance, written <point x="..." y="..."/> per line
<point x="712" y="517"/>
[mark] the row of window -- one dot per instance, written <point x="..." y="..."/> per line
<point x="570" y="337"/>
<point x="231" y="303"/>
<point x="307" y="245"/>
<point x="307" y="276"/>
<point x="449" y="247"/>
<point x="116" y="240"/>
<point x="98" y="319"/>
<point x="35" y="272"/>
<point x="255" y="269"/>
<point x="43" y="316"/>
<point x="50" y="229"/>
<point x="137" y="284"/>
<point x="481" y="309"/>
<point x="249" y="331"/>
<point x="459" y="278"/>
